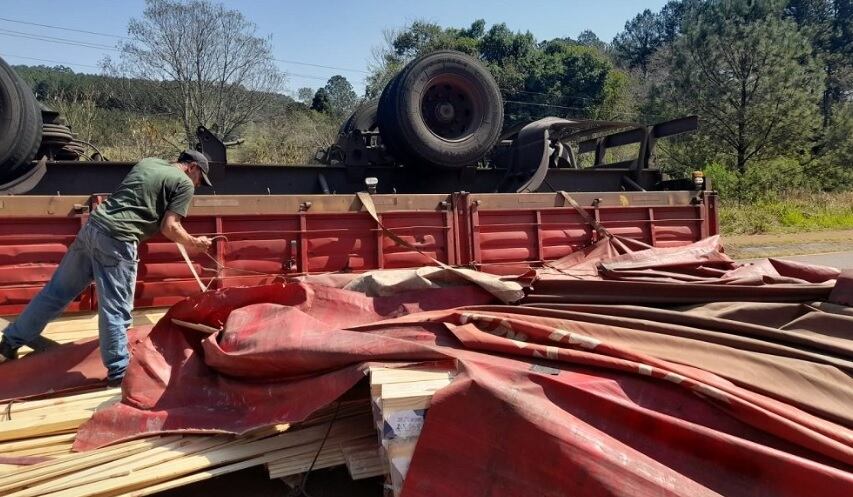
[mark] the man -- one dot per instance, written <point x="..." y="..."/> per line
<point x="154" y="196"/>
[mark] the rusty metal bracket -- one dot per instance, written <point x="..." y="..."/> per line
<point x="531" y="155"/>
<point x="210" y="145"/>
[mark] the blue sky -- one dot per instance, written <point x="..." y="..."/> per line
<point x="330" y="32"/>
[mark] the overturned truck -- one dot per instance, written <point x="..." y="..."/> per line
<point x="438" y="127"/>
<point x="443" y="176"/>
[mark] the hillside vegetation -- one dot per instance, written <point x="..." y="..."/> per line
<point x="771" y="80"/>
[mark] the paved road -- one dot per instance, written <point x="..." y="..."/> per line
<point x="835" y="259"/>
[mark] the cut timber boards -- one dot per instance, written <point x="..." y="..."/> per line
<point x="400" y="398"/>
<point x="82" y="326"/>
<point x="35" y="444"/>
<point x="28" y="425"/>
<point x="150" y="465"/>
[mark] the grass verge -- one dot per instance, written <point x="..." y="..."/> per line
<point x="792" y="214"/>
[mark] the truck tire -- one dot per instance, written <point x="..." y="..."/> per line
<point x="363" y="118"/>
<point x="444" y="109"/>
<point x="20" y="124"/>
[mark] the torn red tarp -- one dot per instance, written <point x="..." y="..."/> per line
<point x="78" y="365"/>
<point x="544" y="404"/>
<point x="695" y="273"/>
<point x="699" y="262"/>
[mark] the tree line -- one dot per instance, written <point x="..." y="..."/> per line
<point x="771" y="80"/>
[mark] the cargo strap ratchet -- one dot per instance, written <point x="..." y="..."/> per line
<point x="597" y="226"/>
<point x="601" y="230"/>
<point x="367" y="202"/>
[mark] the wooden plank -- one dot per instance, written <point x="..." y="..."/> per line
<point x="202" y="475"/>
<point x="394" y="391"/>
<point x="125" y="465"/>
<point x="75" y="327"/>
<point x="197" y="462"/>
<point x="299" y="458"/>
<point x="379" y="376"/>
<point x="409" y="396"/>
<point x="32" y="443"/>
<point x="328" y="458"/>
<point x="399" y="398"/>
<point x="19" y="412"/>
<point x="55" y="401"/>
<point x="47" y="425"/>
<point x="75" y="462"/>
<point x="363" y="458"/>
<point x="39" y="451"/>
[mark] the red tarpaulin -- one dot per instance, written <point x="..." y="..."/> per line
<point x="749" y="398"/>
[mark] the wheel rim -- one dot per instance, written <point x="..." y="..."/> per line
<point x="451" y="107"/>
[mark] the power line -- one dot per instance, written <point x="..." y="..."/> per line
<point x="52" y="39"/>
<point x="18" y="21"/>
<point x="290" y="74"/>
<point x="321" y="66"/>
<point x="49" y="60"/>
<point x="77" y="43"/>
<point x="107" y="47"/>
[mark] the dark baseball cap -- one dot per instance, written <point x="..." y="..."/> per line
<point x="200" y="159"/>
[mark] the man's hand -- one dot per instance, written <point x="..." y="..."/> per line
<point x="173" y="230"/>
<point x="199" y="244"/>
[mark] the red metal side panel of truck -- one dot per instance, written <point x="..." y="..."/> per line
<point x="260" y="237"/>
<point x="540" y="227"/>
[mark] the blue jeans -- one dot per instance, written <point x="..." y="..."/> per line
<point x="111" y="263"/>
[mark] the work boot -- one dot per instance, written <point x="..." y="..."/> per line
<point x="7" y="352"/>
<point x="115" y="382"/>
<point x="40" y="344"/>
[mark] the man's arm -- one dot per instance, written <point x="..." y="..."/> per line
<point x="172" y="229"/>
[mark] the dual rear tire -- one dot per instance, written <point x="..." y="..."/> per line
<point x="443" y="109"/>
<point x="20" y="125"/>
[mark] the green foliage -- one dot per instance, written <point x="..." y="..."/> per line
<point x="772" y="179"/>
<point x="321" y="102"/>
<point x="290" y="138"/>
<point x="751" y="77"/>
<point x="589" y="39"/>
<point x="794" y="213"/>
<point x="829" y="26"/>
<point x="761" y="181"/>
<point x="759" y="73"/>
<point x="341" y="97"/>
<point x="722" y="179"/>
<point x="555" y="77"/>
<point x="642" y="37"/>
<point x="835" y="155"/>
<point x="60" y="82"/>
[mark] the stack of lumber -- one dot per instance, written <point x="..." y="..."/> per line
<point x="36" y="438"/>
<point x="351" y="442"/>
<point x="81" y="326"/>
<point x="400" y="399"/>
<point x="43" y="430"/>
<point x="35" y="450"/>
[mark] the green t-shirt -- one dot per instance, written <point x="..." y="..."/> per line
<point x="133" y="213"/>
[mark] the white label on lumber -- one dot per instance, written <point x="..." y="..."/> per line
<point x="403" y="424"/>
